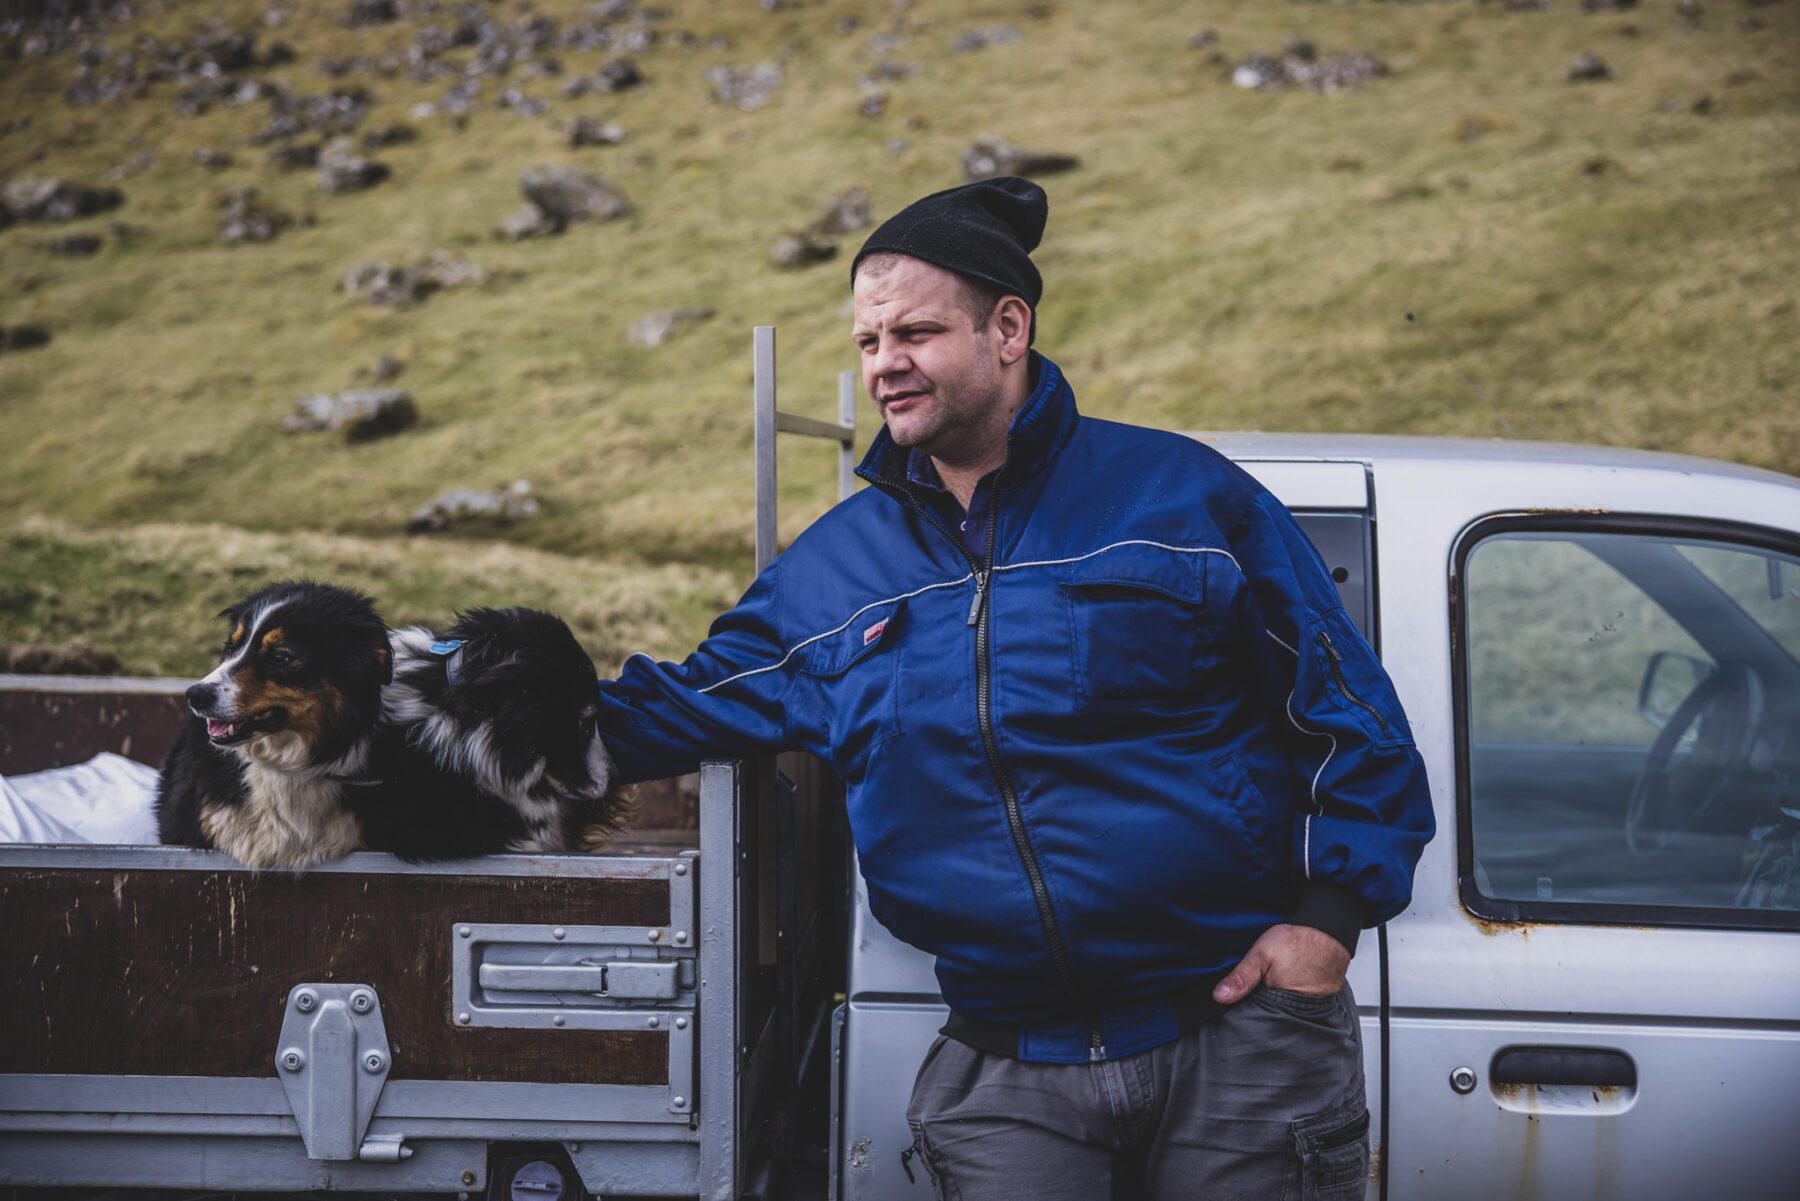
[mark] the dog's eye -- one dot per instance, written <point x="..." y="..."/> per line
<point x="282" y="657"/>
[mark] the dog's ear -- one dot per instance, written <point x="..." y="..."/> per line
<point x="384" y="658"/>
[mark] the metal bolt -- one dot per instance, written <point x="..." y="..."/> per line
<point x="362" y="1001"/>
<point x="680" y="1102"/>
<point x="306" y="1000"/>
<point x="374" y="1061"/>
<point x="463" y="931"/>
<point x="575" y="1148"/>
<point x="558" y="1020"/>
<point x="468" y="1178"/>
<point x="681" y="937"/>
<point x="292" y="1060"/>
<point x="559" y="933"/>
<point x="462" y="1019"/>
<point x="654" y="1023"/>
<point x="681" y="869"/>
<point x="681" y="1023"/>
<point x="1463" y="1080"/>
<point x="655" y="935"/>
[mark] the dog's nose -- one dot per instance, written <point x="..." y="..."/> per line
<point x="201" y="696"/>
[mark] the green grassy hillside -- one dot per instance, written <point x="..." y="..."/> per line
<point x="1610" y="262"/>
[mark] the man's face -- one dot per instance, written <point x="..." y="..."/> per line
<point x="935" y="378"/>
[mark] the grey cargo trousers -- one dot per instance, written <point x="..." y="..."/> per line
<point x="1264" y="1101"/>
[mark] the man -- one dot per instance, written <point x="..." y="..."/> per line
<point x="1114" y="752"/>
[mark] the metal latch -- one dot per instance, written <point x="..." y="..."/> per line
<point x="333" y="1059"/>
<point x="649" y="981"/>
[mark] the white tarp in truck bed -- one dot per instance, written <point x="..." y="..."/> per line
<point x="106" y="800"/>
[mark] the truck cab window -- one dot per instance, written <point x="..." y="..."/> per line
<point x="1632" y="726"/>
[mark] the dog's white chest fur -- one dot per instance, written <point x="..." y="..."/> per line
<point x="293" y="815"/>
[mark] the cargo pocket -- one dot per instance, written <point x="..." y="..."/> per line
<point x="1134" y="620"/>
<point x="857" y="670"/>
<point x="1334" y="1152"/>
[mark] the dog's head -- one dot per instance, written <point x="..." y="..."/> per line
<point x="301" y="671"/>
<point x="523" y="676"/>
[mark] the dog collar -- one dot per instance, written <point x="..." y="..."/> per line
<point x="451" y="653"/>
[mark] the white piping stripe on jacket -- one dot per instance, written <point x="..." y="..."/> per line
<point x="1180" y="550"/>
<point x="799" y="646"/>
<point x="1318" y="809"/>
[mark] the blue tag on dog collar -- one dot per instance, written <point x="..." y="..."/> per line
<point x="451" y="652"/>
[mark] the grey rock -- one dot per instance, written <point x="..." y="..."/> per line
<point x="341" y="169"/>
<point x="874" y="103"/>
<point x="396" y="285"/>
<point x="359" y="414"/>
<point x="792" y="251"/>
<point x="506" y="506"/>
<point x="22" y="337"/>
<point x="1300" y="66"/>
<point x="844" y="215"/>
<point x="386" y="368"/>
<point x="566" y="195"/>
<point x="1607" y="6"/>
<point x="516" y="99"/>
<point x="615" y="75"/>
<point x="988" y="157"/>
<point x="743" y="87"/>
<point x="388" y="285"/>
<point x="371" y="12"/>
<point x="526" y="222"/>
<point x="981" y="39"/>
<point x="585" y="131"/>
<point x="212" y="159"/>
<point x="653" y="329"/>
<point x="56" y="200"/>
<point x="74" y="246"/>
<point x="1588" y="68"/>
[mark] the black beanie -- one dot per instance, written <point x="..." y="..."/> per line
<point x="984" y="230"/>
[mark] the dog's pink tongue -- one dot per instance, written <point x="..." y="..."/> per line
<point x="218" y="729"/>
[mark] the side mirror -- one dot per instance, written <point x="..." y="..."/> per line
<point x="1668" y="678"/>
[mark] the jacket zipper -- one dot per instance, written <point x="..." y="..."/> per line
<point x="979" y="617"/>
<point x="1337" y="673"/>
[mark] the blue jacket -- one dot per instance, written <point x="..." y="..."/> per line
<point x="1087" y="773"/>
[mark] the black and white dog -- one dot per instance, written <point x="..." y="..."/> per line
<point x="320" y="733"/>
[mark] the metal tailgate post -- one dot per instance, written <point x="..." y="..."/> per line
<point x="771" y="421"/>
<point x="721" y="789"/>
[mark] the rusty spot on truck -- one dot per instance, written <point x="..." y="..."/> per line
<point x="1509" y="1092"/>
<point x="860" y="1151"/>
<point x="1494" y="929"/>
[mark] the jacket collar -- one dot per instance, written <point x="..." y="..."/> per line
<point x="1038" y="432"/>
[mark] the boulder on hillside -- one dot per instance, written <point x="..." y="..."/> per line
<point x="297" y="156"/>
<point x="653" y="329"/>
<point x="527" y="221"/>
<point x="846" y="214"/>
<point x="585" y="131"/>
<point x="792" y="251"/>
<point x="341" y="169"/>
<point x="397" y="285"/>
<point x="243" y="217"/>
<point x="743" y="87"/>
<point x="614" y="75"/>
<point x="1300" y="66"/>
<point x="1588" y="68"/>
<point x="360" y="13"/>
<point x="989" y="157"/>
<point x="565" y="195"/>
<point x="56" y="200"/>
<point x="212" y="158"/>
<point x="513" y="503"/>
<point x="360" y="414"/>
<point x="23" y="337"/>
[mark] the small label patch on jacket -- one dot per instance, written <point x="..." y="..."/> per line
<point x="874" y="631"/>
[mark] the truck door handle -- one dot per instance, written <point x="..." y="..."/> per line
<point x="633" y="980"/>
<point x="1594" y="1066"/>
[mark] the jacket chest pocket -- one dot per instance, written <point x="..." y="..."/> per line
<point x="1135" y="620"/>
<point x="857" y="670"/>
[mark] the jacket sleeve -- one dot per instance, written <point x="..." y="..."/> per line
<point x="1366" y="809"/>
<point x="729" y="699"/>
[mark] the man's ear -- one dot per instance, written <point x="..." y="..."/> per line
<point x="1012" y="327"/>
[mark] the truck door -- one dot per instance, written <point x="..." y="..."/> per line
<point x="1611" y="1005"/>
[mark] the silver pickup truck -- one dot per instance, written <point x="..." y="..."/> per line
<point x="1595" y="993"/>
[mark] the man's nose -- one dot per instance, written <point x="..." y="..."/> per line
<point x="890" y="358"/>
<point x="201" y="696"/>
